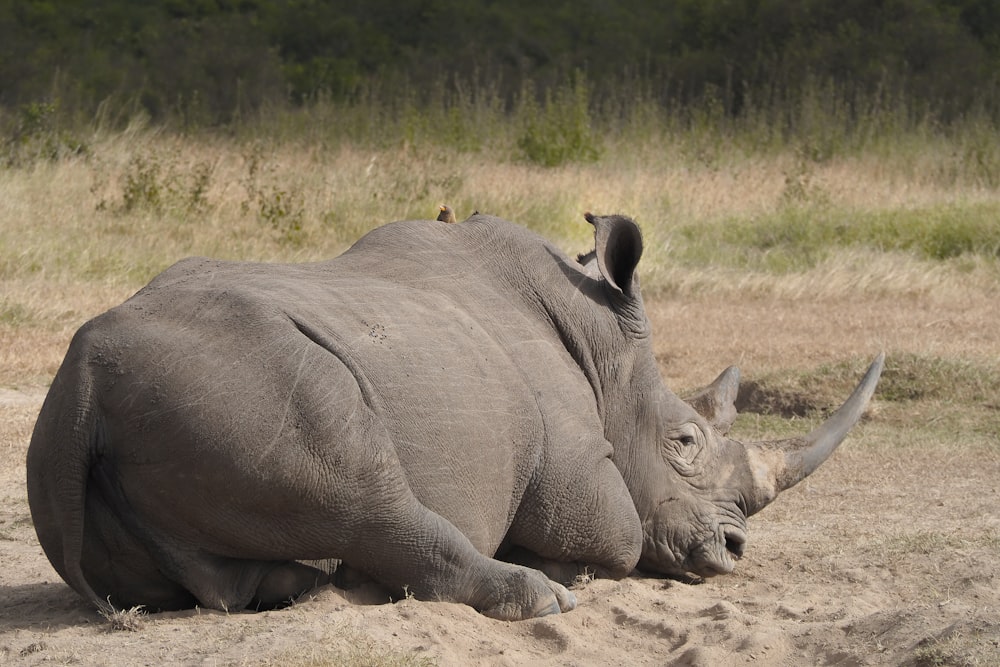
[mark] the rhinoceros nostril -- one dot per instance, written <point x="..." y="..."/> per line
<point x="734" y="544"/>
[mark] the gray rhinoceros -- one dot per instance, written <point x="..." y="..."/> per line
<point x="452" y="410"/>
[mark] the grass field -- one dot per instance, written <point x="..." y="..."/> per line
<point x="83" y="231"/>
<point x="798" y="260"/>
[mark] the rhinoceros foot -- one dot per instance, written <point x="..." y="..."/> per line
<point x="524" y="593"/>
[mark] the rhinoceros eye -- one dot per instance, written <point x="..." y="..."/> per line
<point x="688" y="440"/>
<point x="683" y="446"/>
<point x="689" y="435"/>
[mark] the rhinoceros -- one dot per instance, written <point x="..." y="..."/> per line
<point x="459" y="411"/>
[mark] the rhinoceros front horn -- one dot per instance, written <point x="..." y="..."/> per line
<point x="779" y="465"/>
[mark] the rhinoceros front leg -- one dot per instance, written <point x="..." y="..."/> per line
<point x="376" y="525"/>
<point x="427" y="556"/>
<point x="578" y="518"/>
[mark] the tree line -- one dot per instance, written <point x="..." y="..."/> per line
<point x="217" y="60"/>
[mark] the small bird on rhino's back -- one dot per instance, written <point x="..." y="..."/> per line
<point x="446" y="214"/>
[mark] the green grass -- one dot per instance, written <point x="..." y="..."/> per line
<point x="753" y="426"/>
<point x="910" y="377"/>
<point x="797" y="237"/>
<point x="921" y="400"/>
<point x="906" y="377"/>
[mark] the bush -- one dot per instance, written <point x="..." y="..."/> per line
<point x="560" y="131"/>
<point x="36" y="135"/>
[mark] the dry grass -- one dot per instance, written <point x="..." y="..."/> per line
<point x="124" y="620"/>
<point x="80" y="235"/>
<point x="140" y="199"/>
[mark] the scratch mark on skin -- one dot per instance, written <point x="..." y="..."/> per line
<point x="212" y="389"/>
<point x="288" y="404"/>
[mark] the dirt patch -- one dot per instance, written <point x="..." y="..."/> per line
<point x="889" y="554"/>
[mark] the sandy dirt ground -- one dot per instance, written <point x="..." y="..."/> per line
<point x="889" y="554"/>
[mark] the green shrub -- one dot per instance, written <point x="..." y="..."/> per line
<point x="284" y="212"/>
<point x="151" y="183"/>
<point x="142" y="185"/>
<point x="559" y="131"/>
<point x="36" y="135"/>
<point x="280" y="208"/>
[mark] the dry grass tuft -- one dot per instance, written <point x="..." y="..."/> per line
<point x="124" y="620"/>
<point x="583" y="579"/>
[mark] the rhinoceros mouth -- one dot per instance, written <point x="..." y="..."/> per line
<point x="719" y="556"/>
<point x="716" y="554"/>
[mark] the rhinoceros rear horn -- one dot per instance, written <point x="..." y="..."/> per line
<point x="618" y="243"/>
<point x="717" y="401"/>
<point x="779" y="465"/>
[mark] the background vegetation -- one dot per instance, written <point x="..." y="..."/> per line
<point x="218" y="60"/>
<point x="801" y="149"/>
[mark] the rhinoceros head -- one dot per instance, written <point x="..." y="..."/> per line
<point x="702" y="485"/>
<point x="694" y="486"/>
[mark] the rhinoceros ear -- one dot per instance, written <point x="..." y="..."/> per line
<point x="717" y="402"/>
<point x="618" y="244"/>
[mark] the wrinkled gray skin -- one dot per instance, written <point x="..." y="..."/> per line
<point x="436" y="396"/>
